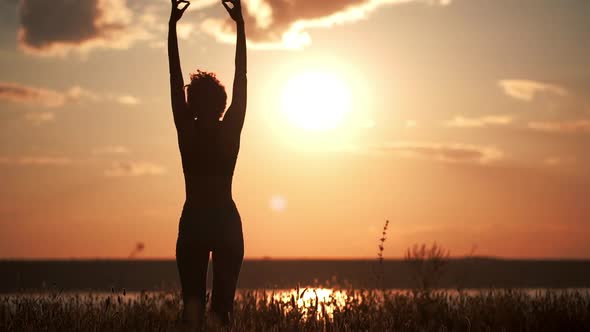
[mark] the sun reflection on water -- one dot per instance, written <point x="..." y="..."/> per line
<point x="321" y="301"/>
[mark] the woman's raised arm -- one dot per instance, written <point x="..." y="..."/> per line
<point x="181" y="114"/>
<point x="234" y="119"/>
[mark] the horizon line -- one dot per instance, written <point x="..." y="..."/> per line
<point x="268" y="258"/>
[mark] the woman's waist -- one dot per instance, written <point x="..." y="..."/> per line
<point x="205" y="202"/>
<point x="205" y="198"/>
<point x="202" y="205"/>
<point x="199" y="196"/>
<point x="206" y="191"/>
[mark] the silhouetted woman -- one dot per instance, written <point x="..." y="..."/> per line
<point x="209" y="148"/>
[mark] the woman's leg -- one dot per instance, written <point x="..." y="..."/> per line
<point x="227" y="262"/>
<point x="226" y="270"/>
<point x="192" y="259"/>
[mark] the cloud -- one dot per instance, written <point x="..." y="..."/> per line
<point x="113" y="149"/>
<point x="36" y="161"/>
<point x="198" y="4"/>
<point x="18" y="93"/>
<point x="60" y="26"/>
<point x="38" y="118"/>
<point x="527" y="90"/>
<point x="565" y="127"/>
<point x="485" y="121"/>
<point x="128" y="100"/>
<point x="454" y="153"/>
<point x="558" y="161"/>
<point x="282" y="24"/>
<point x="131" y="168"/>
<point x="77" y="93"/>
<point x="185" y="30"/>
<point x="23" y="94"/>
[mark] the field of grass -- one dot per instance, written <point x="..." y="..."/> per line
<point x="308" y="310"/>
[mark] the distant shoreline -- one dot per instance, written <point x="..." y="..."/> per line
<point x="398" y="259"/>
<point x="161" y="274"/>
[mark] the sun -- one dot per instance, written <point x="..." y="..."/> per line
<point x="316" y="100"/>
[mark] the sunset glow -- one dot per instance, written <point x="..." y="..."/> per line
<point x="316" y="100"/>
<point x="463" y="122"/>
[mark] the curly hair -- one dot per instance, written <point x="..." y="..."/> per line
<point x="206" y="96"/>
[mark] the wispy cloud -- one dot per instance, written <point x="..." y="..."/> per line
<point x="558" y="161"/>
<point x="60" y="26"/>
<point x="127" y="168"/>
<point x="479" y="122"/>
<point x="78" y="93"/>
<point x="566" y="127"/>
<point x="35" y="161"/>
<point x="128" y="100"/>
<point x="113" y="149"/>
<point x="201" y="4"/>
<point x="18" y="93"/>
<point x="279" y="24"/>
<point x="49" y="98"/>
<point x="24" y="94"/>
<point x="527" y="90"/>
<point x="185" y="30"/>
<point x="454" y="153"/>
<point x="133" y="168"/>
<point x="38" y="118"/>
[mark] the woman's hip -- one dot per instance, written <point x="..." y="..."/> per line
<point x="211" y="227"/>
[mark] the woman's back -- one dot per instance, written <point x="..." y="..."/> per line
<point x="208" y="161"/>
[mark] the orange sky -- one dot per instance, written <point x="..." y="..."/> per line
<point x="468" y="124"/>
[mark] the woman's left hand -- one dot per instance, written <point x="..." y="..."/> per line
<point x="235" y="11"/>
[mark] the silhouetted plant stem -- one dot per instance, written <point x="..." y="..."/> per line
<point x="381" y="273"/>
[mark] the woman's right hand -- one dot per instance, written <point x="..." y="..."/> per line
<point x="178" y="9"/>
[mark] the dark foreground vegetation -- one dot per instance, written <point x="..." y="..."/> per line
<point x="309" y="310"/>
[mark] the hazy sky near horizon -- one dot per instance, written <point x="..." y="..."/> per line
<point x="468" y="125"/>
